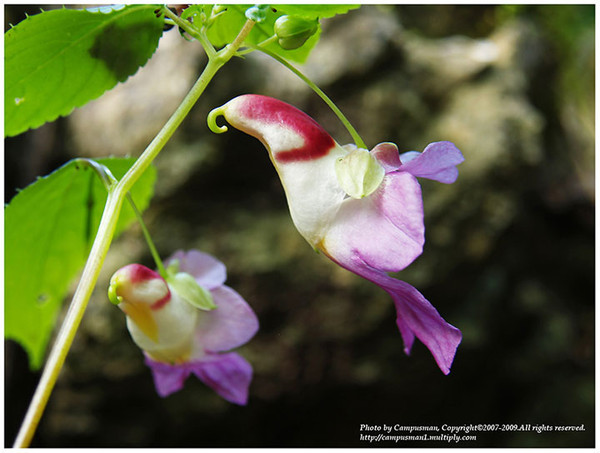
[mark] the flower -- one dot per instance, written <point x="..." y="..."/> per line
<point x="186" y="324"/>
<point x="362" y="209"/>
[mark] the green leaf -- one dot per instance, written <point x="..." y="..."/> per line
<point x="225" y="26"/>
<point x="61" y="59"/>
<point x="49" y="228"/>
<point x="314" y="11"/>
<point x="228" y="24"/>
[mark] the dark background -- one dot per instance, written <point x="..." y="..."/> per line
<point x="509" y="257"/>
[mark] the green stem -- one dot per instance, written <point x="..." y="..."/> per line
<point x="108" y="179"/>
<point x="358" y="141"/>
<point x="159" y="264"/>
<point x="108" y="222"/>
<point x="192" y="31"/>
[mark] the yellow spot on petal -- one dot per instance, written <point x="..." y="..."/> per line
<point x="141" y="315"/>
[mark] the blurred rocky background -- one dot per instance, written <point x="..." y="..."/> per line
<point x="509" y="257"/>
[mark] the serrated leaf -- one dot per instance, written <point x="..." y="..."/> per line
<point x="231" y="18"/>
<point x="61" y="59"/>
<point x="49" y="228"/>
<point x="314" y="11"/>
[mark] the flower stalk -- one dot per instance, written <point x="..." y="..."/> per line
<point x="116" y="195"/>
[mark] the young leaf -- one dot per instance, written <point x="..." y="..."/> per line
<point x="49" y="228"/>
<point x="61" y="59"/>
<point x="228" y="23"/>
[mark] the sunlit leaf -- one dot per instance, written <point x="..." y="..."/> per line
<point x="231" y="19"/>
<point x="61" y="59"/>
<point x="314" y="11"/>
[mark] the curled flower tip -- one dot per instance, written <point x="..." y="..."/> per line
<point x="211" y="119"/>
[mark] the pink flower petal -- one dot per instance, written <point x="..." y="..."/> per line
<point x="227" y="374"/>
<point x="168" y="378"/>
<point x="438" y="162"/>
<point x="415" y="315"/>
<point x="228" y="326"/>
<point x="387" y="155"/>
<point x="208" y="271"/>
<point x="385" y="228"/>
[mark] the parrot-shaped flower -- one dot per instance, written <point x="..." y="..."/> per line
<point x="363" y="210"/>
<point x="186" y="324"/>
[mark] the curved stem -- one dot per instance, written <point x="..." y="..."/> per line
<point x="110" y="215"/>
<point x="108" y="180"/>
<point x="190" y="30"/>
<point x="358" y="141"/>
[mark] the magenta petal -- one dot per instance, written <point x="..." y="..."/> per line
<point x="227" y="374"/>
<point x="228" y="326"/>
<point x="167" y="378"/>
<point x="438" y="162"/>
<point x="385" y="228"/>
<point x="415" y="315"/>
<point x="208" y="271"/>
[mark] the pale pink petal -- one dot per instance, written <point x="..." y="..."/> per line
<point x="228" y="326"/>
<point x="167" y="378"/>
<point x="208" y="271"/>
<point x="385" y="228"/>
<point x="438" y="162"/>
<point x="227" y="374"/>
<point x="387" y="155"/>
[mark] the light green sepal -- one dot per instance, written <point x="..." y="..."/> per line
<point x="186" y="287"/>
<point x="359" y="173"/>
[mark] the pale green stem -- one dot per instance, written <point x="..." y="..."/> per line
<point x="358" y="141"/>
<point x="108" y="179"/>
<point x="192" y="31"/>
<point x="159" y="264"/>
<point x="108" y="222"/>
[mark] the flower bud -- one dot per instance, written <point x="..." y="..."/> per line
<point x="159" y="319"/>
<point x="294" y="31"/>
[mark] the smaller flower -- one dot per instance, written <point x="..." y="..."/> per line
<point x="188" y="323"/>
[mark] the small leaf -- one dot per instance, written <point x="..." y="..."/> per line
<point x="186" y="287"/>
<point x="49" y="228"/>
<point x="61" y="59"/>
